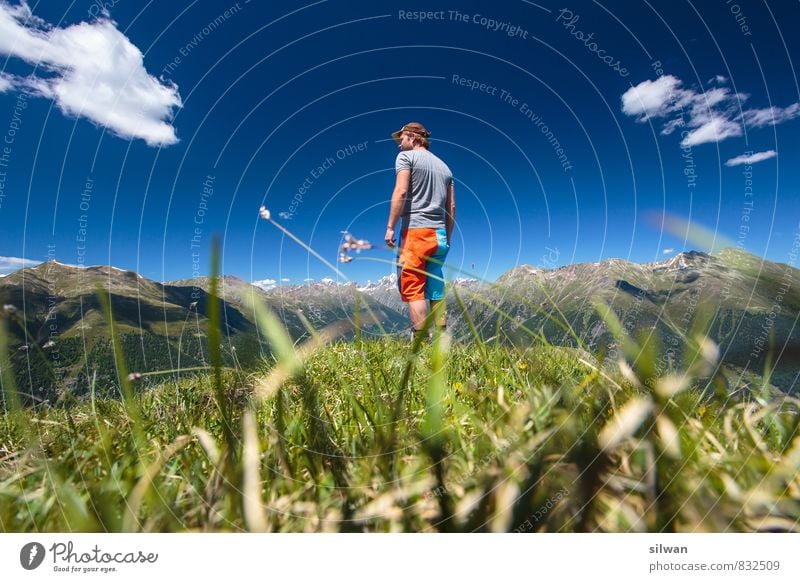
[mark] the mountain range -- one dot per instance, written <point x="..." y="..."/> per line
<point x="60" y="342"/>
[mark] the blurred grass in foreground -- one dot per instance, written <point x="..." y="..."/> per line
<point x="497" y="440"/>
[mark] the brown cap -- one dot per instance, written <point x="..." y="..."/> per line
<point x="412" y="127"/>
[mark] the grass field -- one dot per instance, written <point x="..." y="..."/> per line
<point x="386" y="435"/>
<point x="390" y="434"/>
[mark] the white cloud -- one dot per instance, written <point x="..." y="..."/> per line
<point x="751" y="158"/>
<point x="710" y="116"/>
<point x="93" y="71"/>
<point x="770" y="115"/>
<point x="11" y="264"/>
<point x="672" y="125"/>
<point x="285" y="280"/>
<point x="5" y="83"/>
<point x="285" y="215"/>
<point x="668" y="251"/>
<point x="714" y="130"/>
<point x="265" y="284"/>
<point x="701" y="102"/>
<point x="652" y="98"/>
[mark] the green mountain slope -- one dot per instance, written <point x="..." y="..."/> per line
<point x="746" y="303"/>
<point x="59" y="338"/>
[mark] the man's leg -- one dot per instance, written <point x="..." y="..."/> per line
<point x="411" y="275"/>
<point x="434" y="284"/>
<point x="418" y="311"/>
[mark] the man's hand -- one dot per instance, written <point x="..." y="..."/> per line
<point x="389" y="237"/>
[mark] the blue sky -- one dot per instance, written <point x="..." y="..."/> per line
<point x="137" y="132"/>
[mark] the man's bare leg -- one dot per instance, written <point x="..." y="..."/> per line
<point x="418" y="311"/>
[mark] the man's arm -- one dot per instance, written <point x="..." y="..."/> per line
<point x="450" y="211"/>
<point x="398" y="204"/>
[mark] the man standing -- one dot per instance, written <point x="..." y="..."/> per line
<point x="424" y="197"/>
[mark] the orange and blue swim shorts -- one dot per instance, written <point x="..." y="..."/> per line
<point x="419" y="265"/>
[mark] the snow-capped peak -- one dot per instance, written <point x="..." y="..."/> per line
<point x="389" y="281"/>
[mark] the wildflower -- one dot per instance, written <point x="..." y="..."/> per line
<point x="702" y="411"/>
<point x="49" y="344"/>
<point x="8" y="308"/>
<point x="523" y="366"/>
<point x="133" y="376"/>
<point x="265" y="214"/>
<point x="458" y="387"/>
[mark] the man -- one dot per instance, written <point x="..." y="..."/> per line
<point x="424" y="197"/>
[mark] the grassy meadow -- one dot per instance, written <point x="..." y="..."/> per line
<point x="390" y="434"/>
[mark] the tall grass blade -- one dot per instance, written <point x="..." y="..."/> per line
<point x="130" y="521"/>
<point x="215" y="354"/>
<point x="11" y="400"/>
<point x="254" y="515"/>
<point x="126" y="386"/>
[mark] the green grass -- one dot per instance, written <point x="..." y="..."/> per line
<point x="492" y="440"/>
<point x="393" y="435"/>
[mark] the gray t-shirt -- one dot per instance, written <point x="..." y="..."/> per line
<point x="427" y="193"/>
